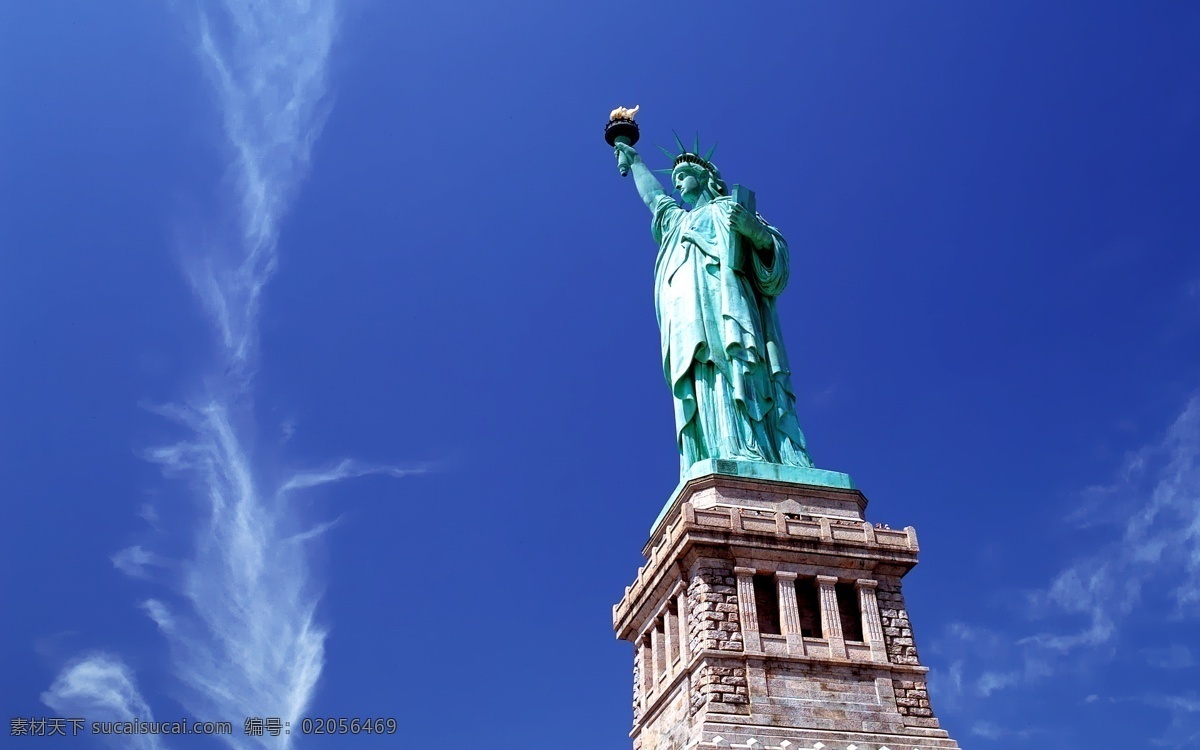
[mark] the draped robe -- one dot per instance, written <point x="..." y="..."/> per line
<point x="722" y="352"/>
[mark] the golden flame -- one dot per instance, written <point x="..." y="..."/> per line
<point x="621" y="113"/>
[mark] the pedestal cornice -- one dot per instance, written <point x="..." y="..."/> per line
<point x="736" y="515"/>
<point x="758" y="472"/>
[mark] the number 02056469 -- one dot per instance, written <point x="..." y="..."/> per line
<point x="344" y="725"/>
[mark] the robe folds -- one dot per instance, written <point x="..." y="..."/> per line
<point x="723" y="356"/>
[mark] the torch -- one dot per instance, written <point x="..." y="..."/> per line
<point x="622" y="129"/>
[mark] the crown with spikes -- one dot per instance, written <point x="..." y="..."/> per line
<point x="689" y="157"/>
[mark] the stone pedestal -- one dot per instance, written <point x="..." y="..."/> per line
<point x="769" y="616"/>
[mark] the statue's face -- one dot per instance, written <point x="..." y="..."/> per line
<point x="688" y="183"/>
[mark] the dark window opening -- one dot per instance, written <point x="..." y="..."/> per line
<point x="808" y="602"/>
<point x="766" y="601"/>
<point x="848" y="611"/>
<point x="676" y="633"/>
<point x="647" y="664"/>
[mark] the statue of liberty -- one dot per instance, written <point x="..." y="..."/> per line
<point x="720" y="267"/>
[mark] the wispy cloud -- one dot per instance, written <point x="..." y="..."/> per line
<point x="135" y="561"/>
<point x="100" y="687"/>
<point x="989" y="731"/>
<point x="268" y="62"/>
<point x="1150" y="562"/>
<point x="246" y="634"/>
<point x="345" y="469"/>
<point x="241" y="617"/>
<point x="1174" y="656"/>
<point x="1157" y="552"/>
<point x="1179" y="730"/>
<point x="990" y="682"/>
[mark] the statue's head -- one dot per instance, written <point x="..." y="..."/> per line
<point x="695" y="180"/>
<point x="695" y="176"/>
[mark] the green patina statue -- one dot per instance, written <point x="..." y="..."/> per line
<point x="720" y="267"/>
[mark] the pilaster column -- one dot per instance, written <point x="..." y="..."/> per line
<point x="658" y="647"/>
<point x="748" y="609"/>
<point x="789" y="611"/>
<point x="872" y="626"/>
<point x="685" y="624"/>
<point x="831" y="624"/>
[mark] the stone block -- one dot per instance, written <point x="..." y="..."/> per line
<point x="721" y="707"/>
<point x="829" y="713"/>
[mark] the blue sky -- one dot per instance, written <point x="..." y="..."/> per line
<point x="429" y="411"/>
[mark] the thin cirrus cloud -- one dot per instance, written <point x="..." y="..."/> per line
<point x="1154" y="562"/>
<point x="137" y="562"/>
<point x="1150" y="563"/>
<point x="241" y="618"/>
<point x="100" y="687"/>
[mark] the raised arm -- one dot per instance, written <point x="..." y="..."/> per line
<point x="647" y="184"/>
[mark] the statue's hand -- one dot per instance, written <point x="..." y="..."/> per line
<point x="630" y="153"/>
<point x="748" y="225"/>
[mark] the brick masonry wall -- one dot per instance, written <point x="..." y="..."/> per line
<point x="637" y="683"/>
<point x="720" y="687"/>
<point x="912" y="695"/>
<point x="713" y="608"/>
<point x="715" y="625"/>
<point x="897" y="630"/>
<point x="912" y="698"/>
